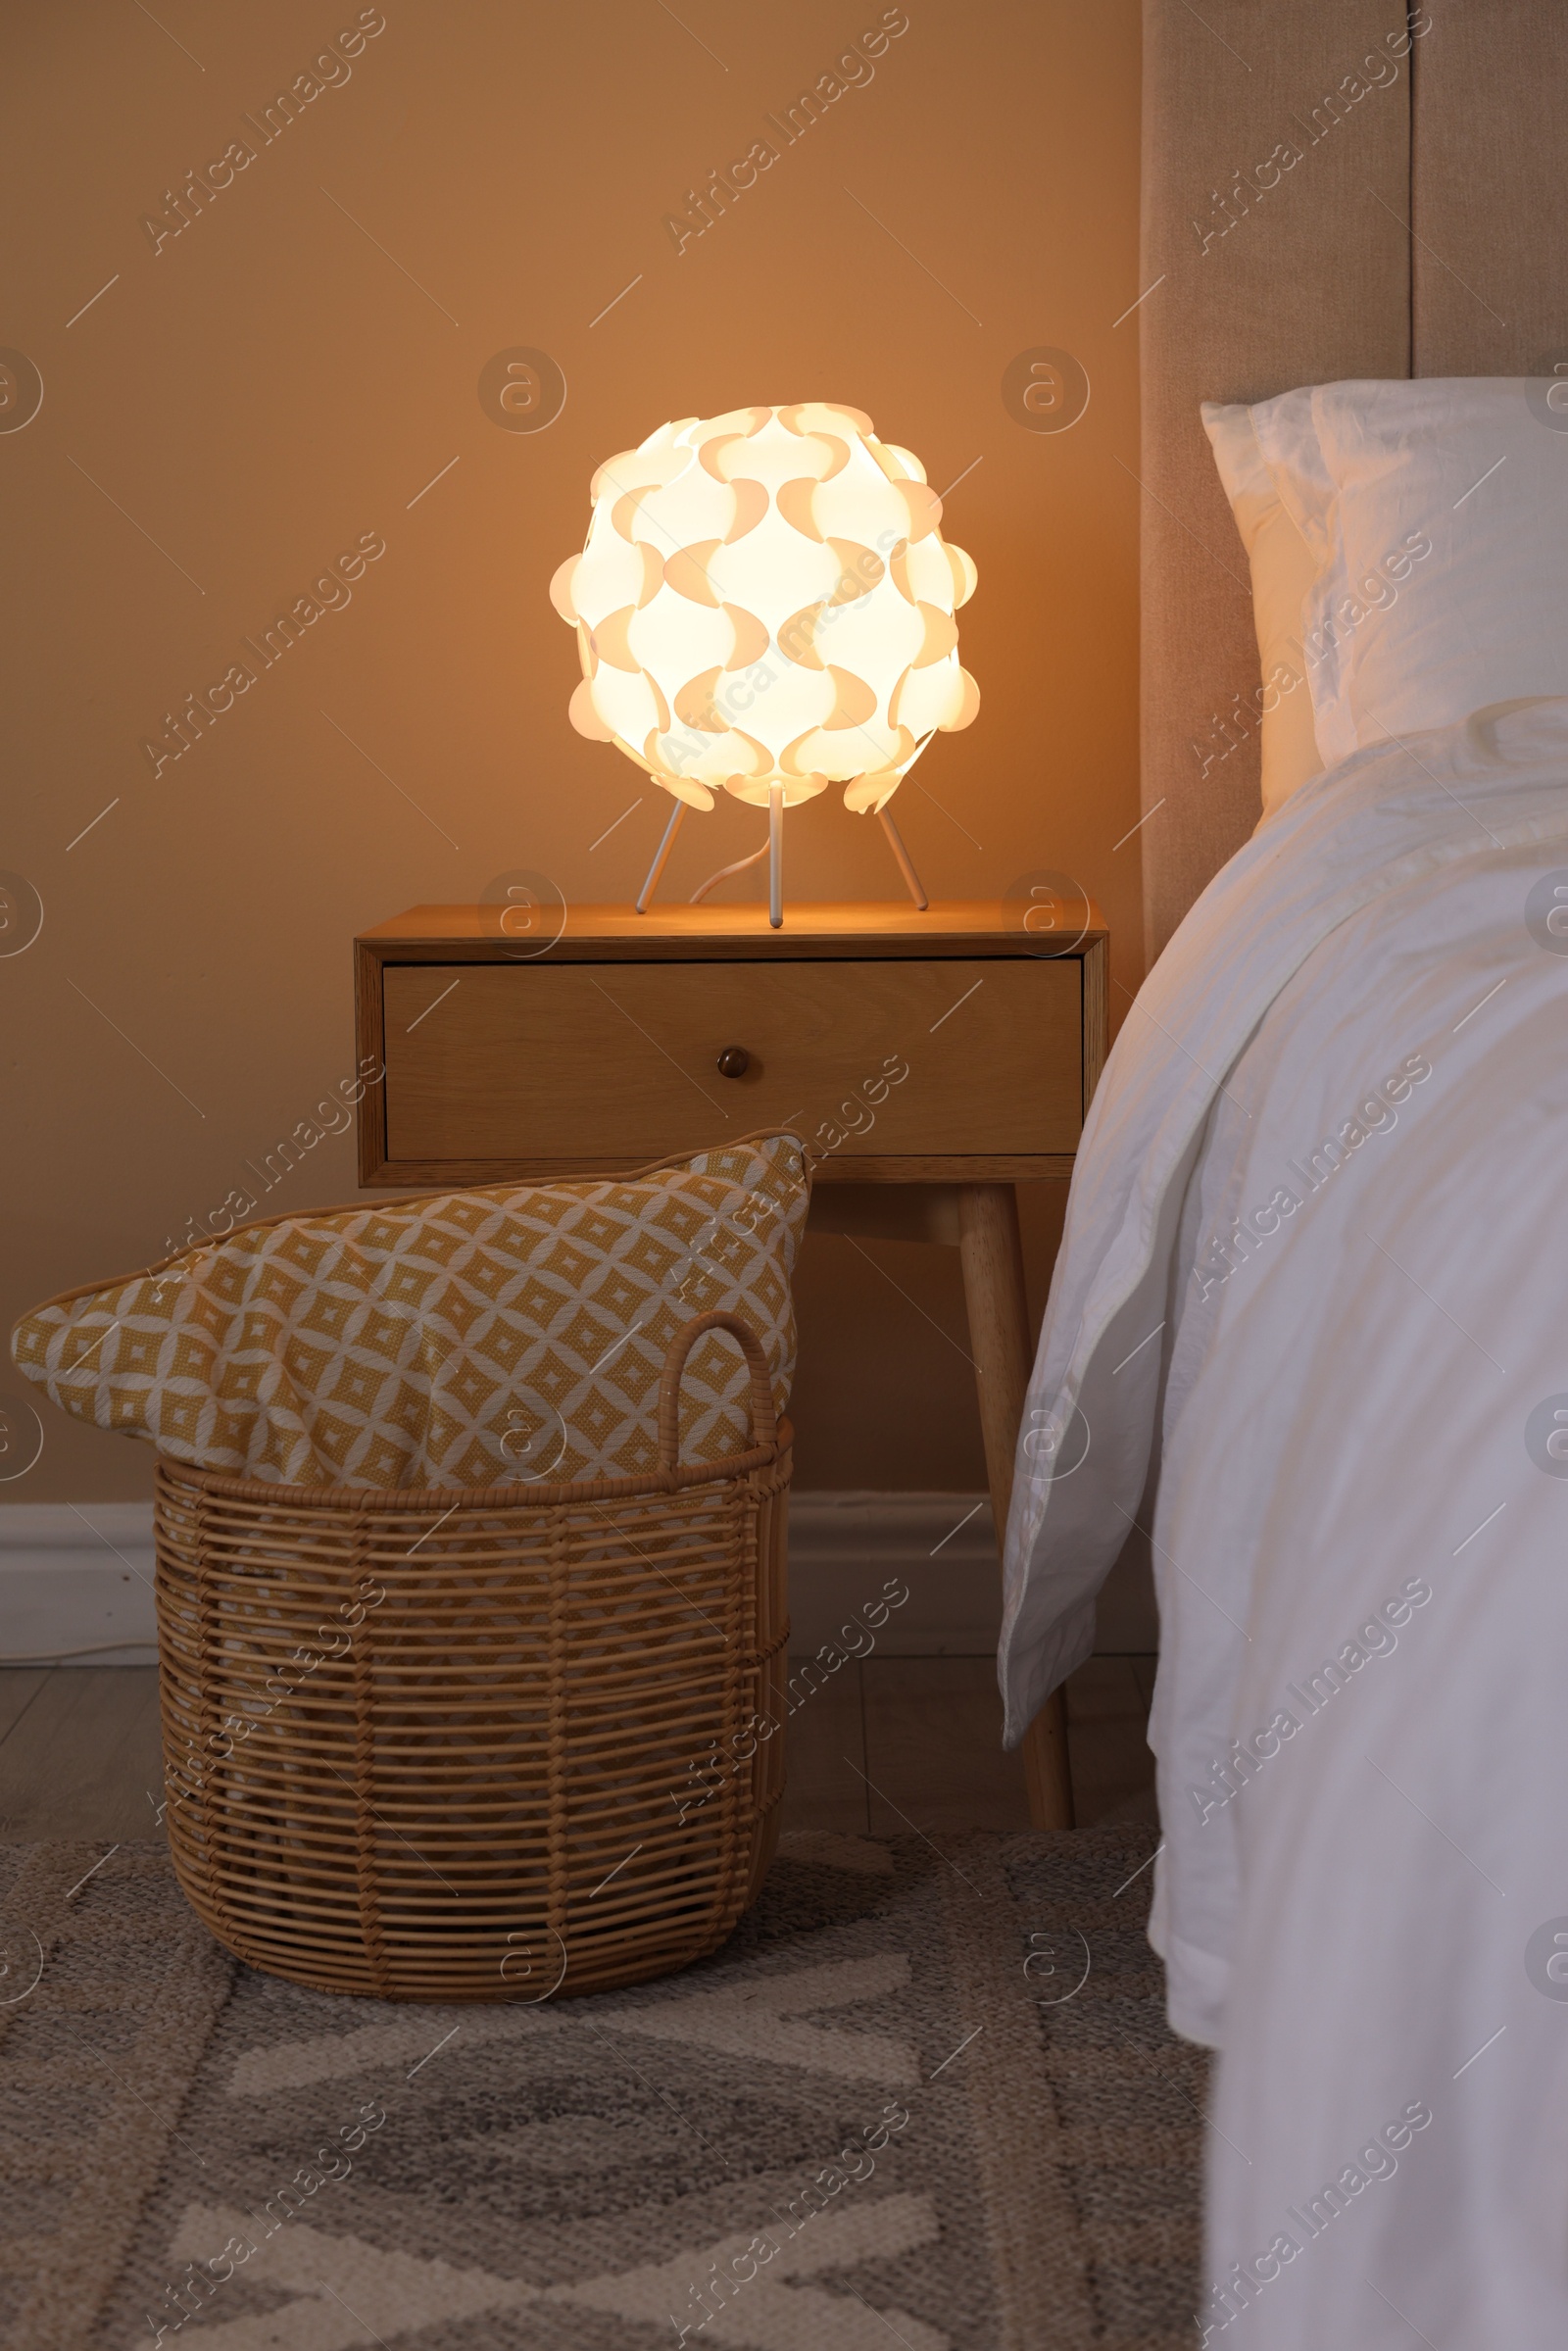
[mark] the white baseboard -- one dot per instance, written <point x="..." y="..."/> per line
<point x="78" y="1582"/>
<point x="844" y="1547"/>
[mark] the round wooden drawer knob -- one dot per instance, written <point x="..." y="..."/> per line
<point x="734" y="1061"/>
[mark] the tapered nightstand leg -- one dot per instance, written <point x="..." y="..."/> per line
<point x="992" y="1251"/>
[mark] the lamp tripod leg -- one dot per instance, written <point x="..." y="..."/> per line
<point x="911" y="880"/>
<point x="775" y="856"/>
<point x="660" y="859"/>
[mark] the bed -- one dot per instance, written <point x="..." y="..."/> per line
<point x="1303" y="1334"/>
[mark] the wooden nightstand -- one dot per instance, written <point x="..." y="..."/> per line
<point x="932" y="1060"/>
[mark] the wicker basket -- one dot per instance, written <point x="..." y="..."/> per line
<point x="488" y="1743"/>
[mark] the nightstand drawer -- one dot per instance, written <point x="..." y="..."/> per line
<point x="584" y="1065"/>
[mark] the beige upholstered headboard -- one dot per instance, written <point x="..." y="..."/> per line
<point x="1421" y="228"/>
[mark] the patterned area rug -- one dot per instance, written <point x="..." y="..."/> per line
<point x="920" y="2097"/>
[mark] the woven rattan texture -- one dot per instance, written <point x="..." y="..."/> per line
<point x="444" y="1745"/>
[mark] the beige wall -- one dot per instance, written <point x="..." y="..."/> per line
<point x="241" y="405"/>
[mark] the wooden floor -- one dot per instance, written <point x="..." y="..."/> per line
<point x="886" y="1744"/>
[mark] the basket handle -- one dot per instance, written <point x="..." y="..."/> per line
<point x="764" y="1420"/>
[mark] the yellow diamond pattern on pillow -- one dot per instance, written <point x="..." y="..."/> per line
<point x="425" y="1344"/>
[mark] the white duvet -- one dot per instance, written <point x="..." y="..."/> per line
<point x="1311" y="1314"/>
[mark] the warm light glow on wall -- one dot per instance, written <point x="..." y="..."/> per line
<point x="765" y="603"/>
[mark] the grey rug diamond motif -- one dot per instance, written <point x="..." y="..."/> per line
<point x="922" y="2097"/>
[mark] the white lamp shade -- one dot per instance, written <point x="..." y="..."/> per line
<point x="765" y="600"/>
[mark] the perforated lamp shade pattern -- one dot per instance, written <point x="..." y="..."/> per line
<point x="765" y="603"/>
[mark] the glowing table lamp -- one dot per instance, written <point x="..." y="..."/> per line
<point x="765" y="605"/>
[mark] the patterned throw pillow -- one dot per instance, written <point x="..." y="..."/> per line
<point x="468" y="1339"/>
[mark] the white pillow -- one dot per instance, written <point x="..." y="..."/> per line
<point x="1284" y="568"/>
<point x="1437" y="511"/>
